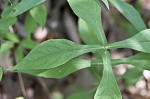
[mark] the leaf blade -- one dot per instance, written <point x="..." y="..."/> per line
<point x="132" y="76"/>
<point x="53" y="53"/>
<point x="28" y="43"/>
<point x="6" y="22"/>
<point x="6" y="47"/>
<point x="78" y="64"/>
<point x="138" y="42"/>
<point x="5" y="34"/>
<point x="140" y="60"/>
<point x="25" y="5"/>
<point x="19" y="54"/>
<point x="130" y="13"/>
<point x="93" y="17"/>
<point x="39" y="18"/>
<point x="108" y="88"/>
<point x="30" y="25"/>
<point x="61" y="71"/>
<point x="87" y="33"/>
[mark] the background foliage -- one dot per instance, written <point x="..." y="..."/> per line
<point x="25" y="24"/>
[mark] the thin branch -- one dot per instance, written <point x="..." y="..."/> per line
<point x="45" y="88"/>
<point x="22" y="85"/>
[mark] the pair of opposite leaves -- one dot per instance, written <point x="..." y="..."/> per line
<point x="52" y="54"/>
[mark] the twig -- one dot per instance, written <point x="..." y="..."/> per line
<point x="45" y="88"/>
<point x="22" y="85"/>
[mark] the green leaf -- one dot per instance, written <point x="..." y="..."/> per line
<point x="28" y="43"/>
<point x="7" y="10"/>
<point x="53" y="53"/>
<point x="6" y="22"/>
<point x="12" y="37"/>
<point x="140" y="60"/>
<point x="61" y="71"/>
<point x="30" y="25"/>
<point x="128" y="27"/>
<point x="106" y="3"/>
<point x="87" y="33"/>
<point x="1" y="73"/>
<point x="77" y="64"/>
<point x="9" y="36"/>
<point x="39" y="18"/>
<point x="25" y="5"/>
<point x="132" y="76"/>
<point x="90" y="11"/>
<point x="19" y="54"/>
<point x="130" y="13"/>
<point x="6" y="47"/>
<point x="108" y="88"/>
<point x="140" y="42"/>
<point x="79" y="95"/>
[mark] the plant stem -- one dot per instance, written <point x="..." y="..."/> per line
<point x="22" y="86"/>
